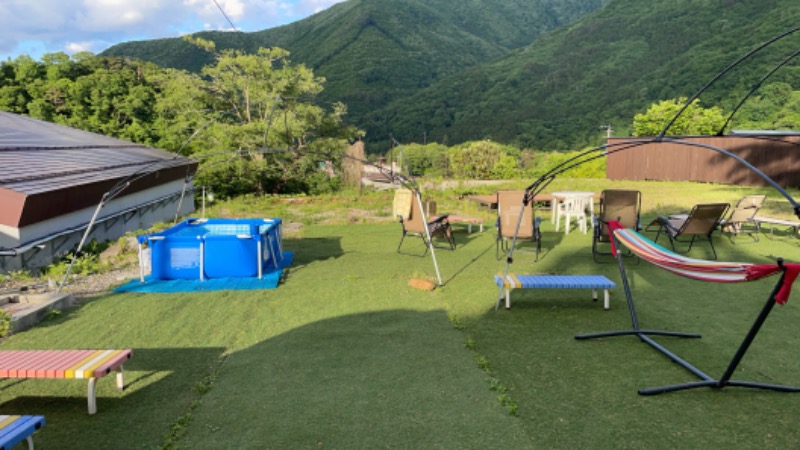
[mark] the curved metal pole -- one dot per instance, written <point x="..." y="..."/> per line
<point x="80" y="245"/>
<point x="721" y="74"/>
<point x="186" y="180"/>
<point x="107" y="197"/>
<point x="754" y="89"/>
<point x="540" y="183"/>
<point x="428" y="234"/>
<point x="765" y="177"/>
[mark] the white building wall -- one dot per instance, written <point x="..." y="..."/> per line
<point x="37" y="245"/>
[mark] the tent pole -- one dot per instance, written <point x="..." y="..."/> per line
<point x="428" y="235"/>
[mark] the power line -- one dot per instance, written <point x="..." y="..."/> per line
<point x="226" y="16"/>
<point x="231" y="24"/>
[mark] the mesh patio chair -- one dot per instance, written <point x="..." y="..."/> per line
<point x="742" y="214"/>
<point x="701" y="221"/>
<point x="509" y="205"/>
<point x="621" y="205"/>
<point x="437" y="225"/>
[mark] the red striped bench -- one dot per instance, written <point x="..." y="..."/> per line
<point x="15" y="429"/>
<point x="82" y="364"/>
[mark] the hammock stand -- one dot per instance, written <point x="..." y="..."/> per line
<point x="703" y="270"/>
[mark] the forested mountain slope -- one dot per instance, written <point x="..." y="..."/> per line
<point x="373" y="52"/>
<point x="543" y="74"/>
<point x="556" y="92"/>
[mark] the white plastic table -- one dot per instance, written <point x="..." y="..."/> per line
<point x="560" y="197"/>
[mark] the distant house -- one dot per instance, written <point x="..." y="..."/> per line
<point x="53" y="177"/>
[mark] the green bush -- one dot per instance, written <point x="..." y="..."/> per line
<point x="5" y="323"/>
<point x="542" y="162"/>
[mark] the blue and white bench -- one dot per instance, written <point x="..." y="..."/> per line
<point x="15" y="429"/>
<point x="593" y="282"/>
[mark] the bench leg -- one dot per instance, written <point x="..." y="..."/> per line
<point x="606" y="300"/>
<point x="91" y="394"/>
<point x="594" y="294"/>
<point x="508" y="298"/>
<point x="120" y="378"/>
<point x="29" y="440"/>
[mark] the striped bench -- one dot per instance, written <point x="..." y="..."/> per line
<point x="83" y="364"/>
<point x="771" y="221"/>
<point x="15" y="429"/>
<point x="593" y="282"/>
<point x="467" y="220"/>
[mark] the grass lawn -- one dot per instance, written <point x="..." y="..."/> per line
<point x="344" y="354"/>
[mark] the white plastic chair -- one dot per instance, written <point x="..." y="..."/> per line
<point x="573" y="207"/>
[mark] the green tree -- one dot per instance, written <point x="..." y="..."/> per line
<point x="266" y="134"/>
<point x="421" y="159"/>
<point x="774" y="107"/>
<point x="475" y="160"/>
<point x="695" y="120"/>
<point x="249" y="118"/>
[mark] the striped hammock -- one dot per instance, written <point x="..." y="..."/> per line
<point x="699" y="269"/>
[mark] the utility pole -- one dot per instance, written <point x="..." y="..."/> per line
<point x="608" y="130"/>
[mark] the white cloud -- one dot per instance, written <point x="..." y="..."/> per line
<point x="75" y="47"/>
<point x="93" y="25"/>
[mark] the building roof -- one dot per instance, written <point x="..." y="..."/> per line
<point x="49" y="170"/>
<point x="765" y="132"/>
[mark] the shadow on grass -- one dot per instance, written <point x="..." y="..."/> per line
<point x="469" y="263"/>
<point x="308" y="250"/>
<point x="558" y="380"/>
<point x="369" y="380"/>
<point x="160" y="386"/>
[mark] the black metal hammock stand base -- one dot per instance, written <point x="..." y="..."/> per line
<point x="705" y="379"/>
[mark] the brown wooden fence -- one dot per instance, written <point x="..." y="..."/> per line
<point x="778" y="156"/>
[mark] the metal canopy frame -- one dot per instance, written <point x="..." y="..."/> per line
<point x="604" y="150"/>
<point x="645" y="335"/>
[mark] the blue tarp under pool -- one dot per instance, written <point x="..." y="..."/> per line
<point x="269" y="280"/>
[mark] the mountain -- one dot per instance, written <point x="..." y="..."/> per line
<point x="543" y="74"/>
<point x="604" y="69"/>
<point x="373" y="52"/>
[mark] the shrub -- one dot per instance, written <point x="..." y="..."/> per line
<point x="5" y="323"/>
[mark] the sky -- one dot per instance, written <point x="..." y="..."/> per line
<point x="36" y="27"/>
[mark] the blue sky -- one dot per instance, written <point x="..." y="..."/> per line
<point x="47" y="26"/>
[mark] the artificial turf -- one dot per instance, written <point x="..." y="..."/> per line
<point x="344" y="354"/>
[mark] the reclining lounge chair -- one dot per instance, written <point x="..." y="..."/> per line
<point x="743" y="213"/>
<point x="621" y="205"/>
<point x="701" y="221"/>
<point x="509" y="206"/>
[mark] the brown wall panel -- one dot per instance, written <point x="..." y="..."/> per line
<point x="689" y="159"/>
<point x="44" y="206"/>
<point x="11" y="205"/>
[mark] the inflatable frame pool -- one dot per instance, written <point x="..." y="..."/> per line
<point x="212" y="248"/>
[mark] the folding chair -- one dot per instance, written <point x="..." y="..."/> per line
<point x="744" y="212"/>
<point x="437" y="226"/>
<point x="509" y="205"/>
<point x="701" y="221"/>
<point x="621" y="205"/>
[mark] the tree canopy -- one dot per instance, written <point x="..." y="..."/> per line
<point x="694" y="120"/>
<point x="250" y="119"/>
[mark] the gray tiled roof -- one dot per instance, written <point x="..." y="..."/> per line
<point x="38" y="156"/>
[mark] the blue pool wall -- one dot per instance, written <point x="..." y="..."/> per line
<point x="222" y="247"/>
